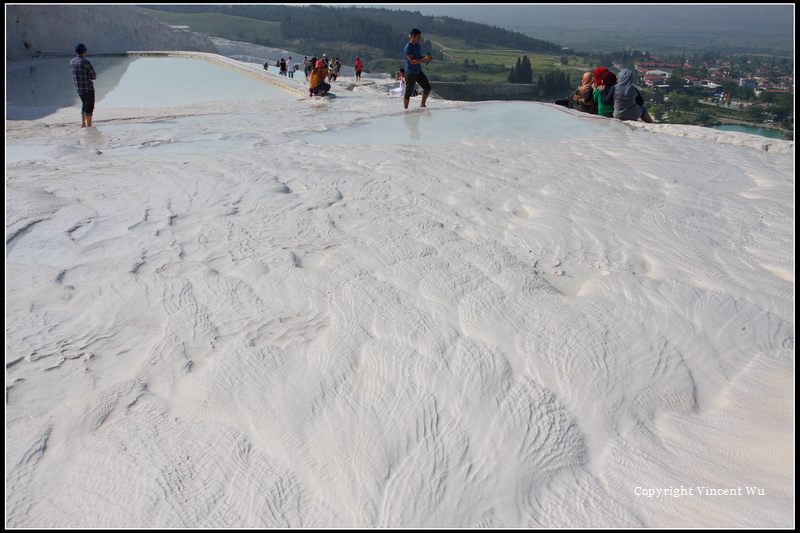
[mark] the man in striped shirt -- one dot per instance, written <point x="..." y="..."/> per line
<point x="82" y="76"/>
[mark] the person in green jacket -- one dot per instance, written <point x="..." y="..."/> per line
<point x="608" y="80"/>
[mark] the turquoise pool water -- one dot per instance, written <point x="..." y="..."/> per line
<point x="131" y="82"/>
<point x="772" y="134"/>
<point x="472" y="121"/>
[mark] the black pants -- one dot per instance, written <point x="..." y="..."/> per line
<point x="87" y="101"/>
<point x="412" y="80"/>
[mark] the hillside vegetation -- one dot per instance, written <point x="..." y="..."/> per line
<point x="464" y="51"/>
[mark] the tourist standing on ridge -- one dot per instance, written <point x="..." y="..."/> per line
<point x="414" y="74"/>
<point x="359" y="66"/>
<point x="82" y="76"/>
<point x="310" y="65"/>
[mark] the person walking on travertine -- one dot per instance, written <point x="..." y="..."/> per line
<point x="414" y="74"/>
<point x="82" y="76"/>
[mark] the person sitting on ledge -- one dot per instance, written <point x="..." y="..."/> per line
<point x="604" y="84"/>
<point x="399" y="91"/>
<point x="626" y="99"/>
<point x="317" y="85"/>
<point x="583" y="94"/>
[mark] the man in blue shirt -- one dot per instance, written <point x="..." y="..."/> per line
<point x="414" y="74"/>
<point x="82" y="76"/>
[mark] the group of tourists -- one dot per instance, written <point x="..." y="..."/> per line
<point x="408" y="77"/>
<point x="332" y="68"/>
<point x="603" y="93"/>
<point x="285" y="68"/>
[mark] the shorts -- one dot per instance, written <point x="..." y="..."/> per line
<point x="412" y="80"/>
<point x="87" y="103"/>
<point x="321" y="88"/>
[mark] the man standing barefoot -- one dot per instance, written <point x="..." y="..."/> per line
<point x="414" y="74"/>
<point x="82" y="76"/>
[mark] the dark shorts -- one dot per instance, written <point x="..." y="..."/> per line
<point x="321" y="88"/>
<point x="412" y="80"/>
<point x="87" y="103"/>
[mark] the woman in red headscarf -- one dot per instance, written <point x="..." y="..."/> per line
<point x="317" y="83"/>
<point x="606" y="81"/>
<point x="598" y="74"/>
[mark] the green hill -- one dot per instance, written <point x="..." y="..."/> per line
<point x="464" y="51"/>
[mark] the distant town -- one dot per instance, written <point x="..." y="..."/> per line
<point x="717" y="89"/>
<point x="710" y="75"/>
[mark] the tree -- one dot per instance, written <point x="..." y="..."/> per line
<point x="682" y="102"/>
<point x="674" y="81"/>
<point x="754" y="112"/>
<point x="703" y="117"/>
<point x="657" y="112"/>
<point x="525" y="75"/>
<point x="512" y="76"/>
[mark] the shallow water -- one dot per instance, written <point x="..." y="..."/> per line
<point x="485" y="120"/>
<point x="772" y="134"/>
<point x="132" y="82"/>
<point x="174" y="81"/>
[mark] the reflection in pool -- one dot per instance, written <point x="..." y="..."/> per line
<point x="485" y="120"/>
<point x="132" y="82"/>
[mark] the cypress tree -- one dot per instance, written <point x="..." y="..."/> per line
<point x="526" y="75"/>
<point x="512" y="77"/>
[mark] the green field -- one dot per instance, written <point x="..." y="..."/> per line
<point x="491" y="63"/>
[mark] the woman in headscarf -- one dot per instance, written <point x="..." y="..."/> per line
<point x="317" y="85"/>
<point x="583" y="94"/>
<point x="598" y="73"/>
<point x="626" y="99"/>
<point x="604" y="84"/>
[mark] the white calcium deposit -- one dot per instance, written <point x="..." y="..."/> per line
<point x="212" y="323"/>
<point x="32" y="30"/>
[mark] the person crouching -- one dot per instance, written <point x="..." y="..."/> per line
<point x="317" y="85"/>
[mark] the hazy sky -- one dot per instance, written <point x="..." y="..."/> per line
<point x="734" y="15"/>
<point x="768" y="25"/>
